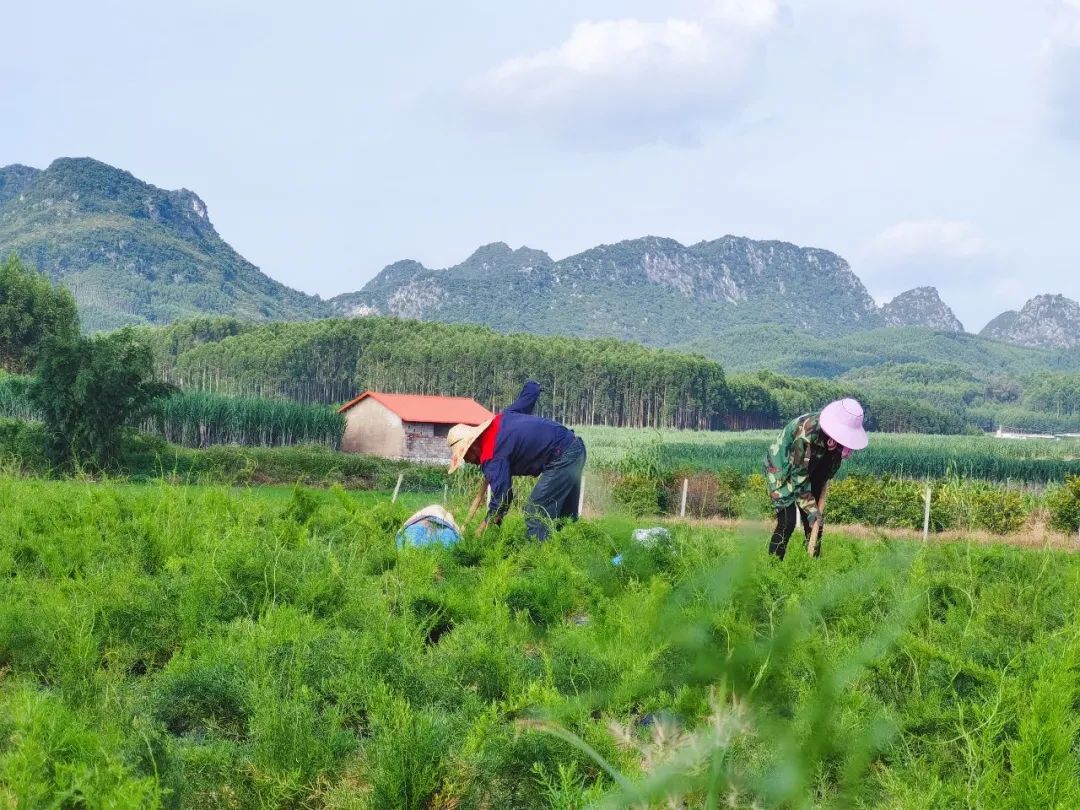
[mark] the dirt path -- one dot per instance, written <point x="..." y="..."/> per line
<point x="1033" y="536"/>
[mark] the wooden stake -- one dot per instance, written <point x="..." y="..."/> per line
<point x="926" y="515"/>
<point x="581" y="497"/>
<point x="812" y="544"/>
<point x="682" y="502"/>
<point x="476" y="503"/>
<point x="397" y="488"/>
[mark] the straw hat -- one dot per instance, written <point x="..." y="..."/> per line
<point x="842" y="422"/>
<point x="461" y="438"/>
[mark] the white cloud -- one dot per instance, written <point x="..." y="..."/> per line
<point x="749" y="13"/>
<point x="927" y="238"/>
<point x="951" y="255"/>
<point x="1063" y="51"/>
<point x="629" y="81"/>
<point x="1067" y="23"/>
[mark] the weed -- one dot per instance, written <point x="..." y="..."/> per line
<point x="1063" y="504"/>
<point x="178" y="646"/>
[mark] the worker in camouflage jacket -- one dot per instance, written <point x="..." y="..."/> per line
<point x="806" y="455"/>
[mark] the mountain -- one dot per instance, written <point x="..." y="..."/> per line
<point x="921" y="306"/>
<point x="1046" y="321"/>
<point x="13" y="179"/>
<point x="131" y="252"/>
<point x="653" y="290"/>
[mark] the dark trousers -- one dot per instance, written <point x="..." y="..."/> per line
<point x="557" y="491"/>
<point x="786" y="520"/>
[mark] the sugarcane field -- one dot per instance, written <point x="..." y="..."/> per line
<point x="745" y="474"/>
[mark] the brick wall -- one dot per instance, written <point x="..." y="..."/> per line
<point x="431" y="449"/>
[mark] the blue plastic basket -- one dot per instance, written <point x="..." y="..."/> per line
<point x="427" y="531"/>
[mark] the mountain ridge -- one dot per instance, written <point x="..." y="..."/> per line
<point x="1045" y="321"/>
<point x="131" y="252"/>
<point x="728" y="281"/>
<point x="667" y="273"/>
<point x="135" y="253"/>
<point x="14" y="178"/>
<point x="717" y="281"/>
<point x="921" y="306"/>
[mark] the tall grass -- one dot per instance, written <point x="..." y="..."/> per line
<point x="198" y="419"/>
<point x="192" y="647"/>
<point x="14" y="403"/>
<point x="902" y="455"/>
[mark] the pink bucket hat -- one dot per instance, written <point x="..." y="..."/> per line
<point x="842" y="421"/>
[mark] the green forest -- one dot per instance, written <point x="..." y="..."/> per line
<point x="585" y="381"/>
<point x="600" y="381"/>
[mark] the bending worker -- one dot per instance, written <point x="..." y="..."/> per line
<point x="805" y="456"/>
<point x="515" y="442"/>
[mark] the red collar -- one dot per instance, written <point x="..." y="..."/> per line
<point x="487" y="439"/>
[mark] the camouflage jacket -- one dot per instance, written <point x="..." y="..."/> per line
<point x="800" y="447"/>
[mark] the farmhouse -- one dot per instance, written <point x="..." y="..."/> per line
<point x="406" y="426"/>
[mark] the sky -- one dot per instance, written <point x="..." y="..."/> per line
<point x="926" y="141"/>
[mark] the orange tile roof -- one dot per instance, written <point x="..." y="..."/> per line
<point x="420" y="408"/>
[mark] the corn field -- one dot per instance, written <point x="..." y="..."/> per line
<point x="198" y="419"/>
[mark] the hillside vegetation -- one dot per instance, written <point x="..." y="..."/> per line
<point x="790" y="351"/>
<point x="131" y="252"/>
<point x="969" y="384"/>
<point x="652" y="290"/>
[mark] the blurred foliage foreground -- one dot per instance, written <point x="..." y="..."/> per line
<point x="197" y="647"/>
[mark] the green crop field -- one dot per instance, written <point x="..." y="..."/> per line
<point x="898" y="454"/>
<point x="207" y="647"/>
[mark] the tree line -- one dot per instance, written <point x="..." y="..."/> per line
<point x="587" y="382"/>
<point x="765" y="400"/>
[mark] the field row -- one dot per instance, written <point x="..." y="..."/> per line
<point x="171" y="646"/>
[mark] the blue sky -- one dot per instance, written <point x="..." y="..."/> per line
<point x="927" y="142"/>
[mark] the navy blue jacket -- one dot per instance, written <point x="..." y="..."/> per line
<point x="523" y="446"/>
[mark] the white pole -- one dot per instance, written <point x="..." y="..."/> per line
<point x="682" y="502"/>
<point x="926" y="515"/>
<point x="445" y="493"/>
<point x="581" y="497"/>
<point x="397" y="487"/>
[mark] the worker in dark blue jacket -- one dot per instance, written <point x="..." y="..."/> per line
<point x="516" y="443"/>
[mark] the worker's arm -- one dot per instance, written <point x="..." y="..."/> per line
<point x="798" y="458"/>
<point x="497" y="474"/>
<point x="526" y="401"/>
